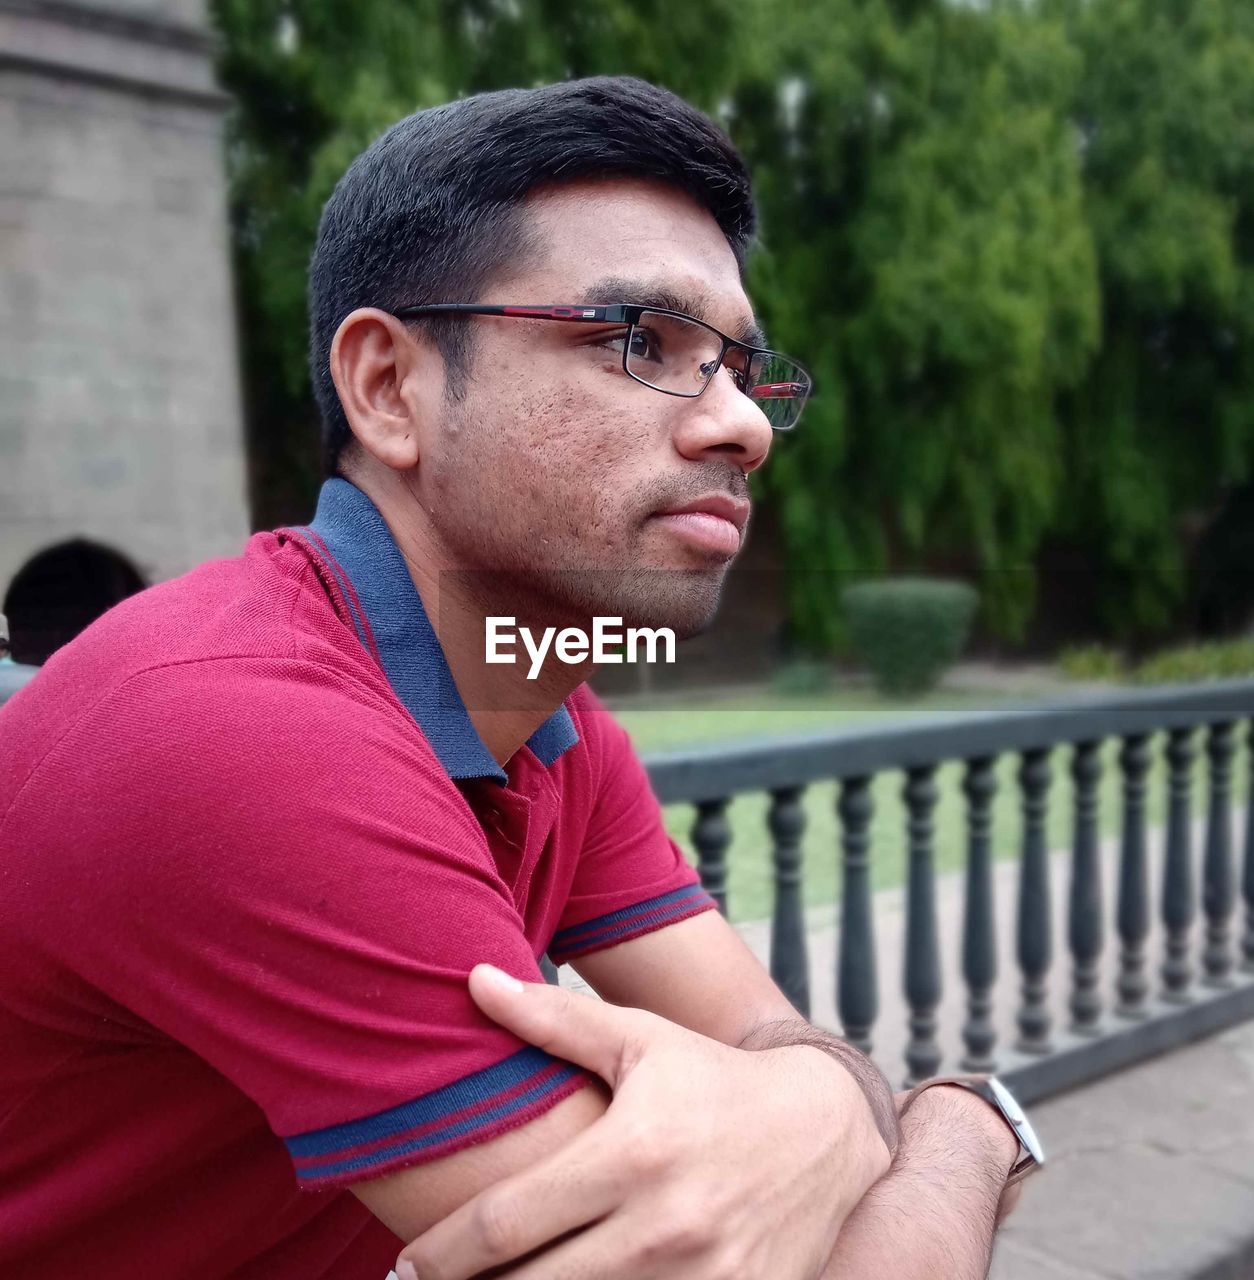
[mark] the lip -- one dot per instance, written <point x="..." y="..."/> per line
<point x="713" y="524"/>
<point x="734" y="511"/>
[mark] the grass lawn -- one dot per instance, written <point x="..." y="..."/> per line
<point x="726" y="719"/>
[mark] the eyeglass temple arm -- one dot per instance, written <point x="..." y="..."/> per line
<point x="611" y="315"/>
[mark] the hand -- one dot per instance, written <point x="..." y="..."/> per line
<point x="710" y="1161"/>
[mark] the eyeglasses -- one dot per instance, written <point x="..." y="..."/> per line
<point x="671" y="352"/>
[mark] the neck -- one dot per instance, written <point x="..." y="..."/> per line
<point x="504" y="705"/>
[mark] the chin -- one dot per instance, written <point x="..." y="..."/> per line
<point x="683" y="600"/>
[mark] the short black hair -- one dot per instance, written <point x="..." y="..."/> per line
<point x="431" y="210"/>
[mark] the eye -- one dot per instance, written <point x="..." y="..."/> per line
<point x="644" y="344"/>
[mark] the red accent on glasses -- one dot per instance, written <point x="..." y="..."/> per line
<point x="777" y="391"/>
<point x="551" y="313"/>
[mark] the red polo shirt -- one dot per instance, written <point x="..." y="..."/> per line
<point x="250" y="848"/>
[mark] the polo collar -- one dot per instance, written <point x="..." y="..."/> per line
<point x="390" y="621"/>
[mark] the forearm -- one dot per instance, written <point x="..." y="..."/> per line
<point x="935" y="1212"/>
<point x="870" y="1079"/>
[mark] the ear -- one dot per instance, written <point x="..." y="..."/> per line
<point x="389" y="382"/>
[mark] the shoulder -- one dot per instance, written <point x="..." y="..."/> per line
<point x="236" y="653"/>
<point x="288" y="748"/>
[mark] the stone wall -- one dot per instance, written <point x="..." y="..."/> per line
<point x="120" y="418"/>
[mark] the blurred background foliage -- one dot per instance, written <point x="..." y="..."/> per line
<point x="1014" y="241"/>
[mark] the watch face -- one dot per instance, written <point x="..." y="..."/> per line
<point x="1014" y="1113"/>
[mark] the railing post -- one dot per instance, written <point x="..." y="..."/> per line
<point x="922" y="979"/>
<point x="790" y="966"/>
<point x="1178" y="905"/>
<point x="1034" y="944"/>
<point x="1084" y="928"/>
<point x="857" y="995"/>
<point x="711" y="834"/>
<point x="1133" y="908"/>
<point x="979" y="940"/>
<point x="1218" y="895"/>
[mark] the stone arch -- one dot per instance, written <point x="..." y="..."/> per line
<point x="61" y="590"/>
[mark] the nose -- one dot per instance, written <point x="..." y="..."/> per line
<point x="722" y="421"/>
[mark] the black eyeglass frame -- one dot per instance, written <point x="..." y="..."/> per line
<point x="619" y="313"/>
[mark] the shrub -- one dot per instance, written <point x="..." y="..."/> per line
<point x="1217" y="660"/>
<point x="1092" y="662"/>
<point x="908" y="630"/>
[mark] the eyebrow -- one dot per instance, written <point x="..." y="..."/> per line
<point x="638" y="293"/>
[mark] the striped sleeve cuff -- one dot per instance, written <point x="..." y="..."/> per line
<point x="474" y="1109"/>
<point x="630" y="922"/>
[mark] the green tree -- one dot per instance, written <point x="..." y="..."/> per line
<point x="1163" y="424"/>
<point x="1012" y="238"/>
<point x="926" y="248"/>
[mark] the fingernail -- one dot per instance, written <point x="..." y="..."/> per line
<point x="501" y="979"/>
<point x="405" y="1270"/>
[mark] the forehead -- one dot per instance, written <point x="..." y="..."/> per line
<point x="631" y="230"/>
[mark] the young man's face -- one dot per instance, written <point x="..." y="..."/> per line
<point x="556" y="467"/>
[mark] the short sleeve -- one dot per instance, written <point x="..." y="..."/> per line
<point x="298" y="900"/>
<point x="632" y="878"/>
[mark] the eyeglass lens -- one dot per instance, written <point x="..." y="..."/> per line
<point x="679" y="356"/>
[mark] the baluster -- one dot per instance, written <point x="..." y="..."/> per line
<point x="856" y="988"/>
<point x="1084" y="925"/>
<point x="711" y="834"/>
<point x="1034" y="944"/>
<point x="1217" y="877"/>
<point x="1178" y="874"/>
<point x="790" y="966"/>
<point x="1247" y="874"/>
<point x="979" y="941"/>
<point x="1133" y="909"/>
<point x="923" y="980"/>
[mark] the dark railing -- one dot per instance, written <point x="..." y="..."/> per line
<point x="1200" y="988"/>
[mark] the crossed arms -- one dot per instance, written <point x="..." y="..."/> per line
<point x="733" y="1139"/>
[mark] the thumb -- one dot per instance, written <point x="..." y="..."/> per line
<point x="600" y="1036"/>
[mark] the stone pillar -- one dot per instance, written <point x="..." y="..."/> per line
<point x="120" y="417"/>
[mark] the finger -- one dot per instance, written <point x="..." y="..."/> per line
<point x="575" y="1186"/>
<point x="597" y="1035"/>
<point x="618" y="1248"/>
<point x="599" y="1253"/>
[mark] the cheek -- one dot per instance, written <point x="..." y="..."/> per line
<point x="571" y="440"/>
<point x="537" y="459"/>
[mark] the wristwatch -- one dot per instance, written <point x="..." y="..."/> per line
<point x="1031" y="1153"/>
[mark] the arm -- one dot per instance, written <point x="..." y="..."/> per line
<point x="699" y="974"/>
<point x="710" y="1161"/>
<point x="411" y="1201"/>
<point x="936" y="1211"/>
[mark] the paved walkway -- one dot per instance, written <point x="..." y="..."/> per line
<point x="1151" y="1174"/>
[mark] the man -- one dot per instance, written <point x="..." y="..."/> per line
<point x="261" y="823"/>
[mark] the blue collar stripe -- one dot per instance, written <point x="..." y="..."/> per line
<point x="363" y="551"/>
